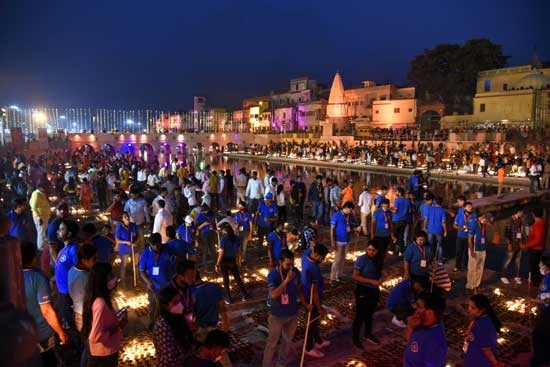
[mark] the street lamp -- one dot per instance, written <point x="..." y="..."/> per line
<point x="130" y="122"/>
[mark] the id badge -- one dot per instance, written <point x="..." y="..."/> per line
<point x="518" y="235"/>
<point x="423" y="263"/>
<point x="386" y="225"/>
<point x="482" y="240"/>
<point x="241" y="228"/>
<point x="348" y="228"/>
<point x="284" y="299"/>
<point x="156" y="270"/>
<point x="465" y="346"/>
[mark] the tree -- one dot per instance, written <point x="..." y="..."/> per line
<point x="448" y="72"/>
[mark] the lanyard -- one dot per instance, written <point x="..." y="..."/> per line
<point x="282" y="279"/>
<point x="386" y="215"/>
<point x="282" y="239"/>
<point x="482" y="230"/>
<point x="423" y="250"/>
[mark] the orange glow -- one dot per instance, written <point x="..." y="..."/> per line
<point x="77" y="137"/>
<point x="133" y="137"/>
<point x="121" y="137"/>
<point x="163" y="137"/>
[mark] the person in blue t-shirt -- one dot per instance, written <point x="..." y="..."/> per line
<point x="68" y="257"/>
<point x="435" y="224"/>
<point x="418" y="258"/>
<point x="426" y="205"/>
<point x="276" y="242"/>
<point x="156" y="267"/>
<point x="366" y="273"/>
<point x="177" y="247"/>
<point x="209" y="305"/>
<point x="313" y="283"/>
<point x="477" y="244"/>
<point x="187" y="232"/>
<point x="411" y="219"/>
<point x="206" y="226"/>
<point x="425" y="334"/>
<point x="243" y="218"/>
<point x="105" y="247"/>
<point x="480" y="343"/>
<point x="340" y="233"/>
<point x="381" y="229"/>
<point x="541" y="331"/>
<point x="228" y="258"/>
<point x="380" y="196"/>
<point x="20" y="224"/>
<point x="126" y="237"/>
<point x="461" y="223"/>
<point x="266" y="216"/>
<point x="285" y="290"/>
<point x="402" y="299"/>
<point x="54" y="243"/>
<point x="400" y="210"/>
<point x="39" y="302"/>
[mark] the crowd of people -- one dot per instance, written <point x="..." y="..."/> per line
<point x="172" y="222"/>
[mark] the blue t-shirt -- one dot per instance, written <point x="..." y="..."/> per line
<point x="276" y="242"/>
<point x="77" y="286"/>
<point x="462" y="220"/>
<point x="424" y="210"/>
<point x="544" y="292"/>
<point x="402" y="205"/>
<point x="342" y="227"/>
<point x="276" y="307"/>
<point x="483" y="335"/>
<point x="414" y="183"/>
<point x="400" y="294"/>
<point x="37" y="292"/>
<point x="51" y="232"/>
<point x="19" y="225"/>
<point x="125" y="234"/>
<point x="414" y="255"/>
<point x="230" y="246"/>
<point x="179" y="248"/>
<point x="207" y="217"/>
<point x="311" y="274"/>
<point x="477" y="231"/>
<point x="378" y="200"/>
<point x="186" y="233"/>
<point x="266" y="211"/>
<point x="427" y="347"/>
<point x="367" y="269"/>
<point x="68" y="257"/>
<point x="243" y="220"/>
<point x="160" y="270"/>
<point x="411" y="213"/>
<point x="207" y="297"/>
<point x="383" y="219"/>
<point x="436" y="216"/>
<point x="105" y="249"/>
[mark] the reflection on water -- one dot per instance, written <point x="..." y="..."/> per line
<point x="448" y="189"/>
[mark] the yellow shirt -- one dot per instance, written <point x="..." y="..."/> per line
<point x="40" y="205"/>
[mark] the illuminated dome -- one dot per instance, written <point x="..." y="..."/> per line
<point x="336" y="107"/>
<point x="535" y="80"/>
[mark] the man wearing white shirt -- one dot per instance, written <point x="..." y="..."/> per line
<point x="240" y="181"/>
<point x="142" y="176"/>
<point x="163" y="219"/>
<point x="365" y="205"/>
<point x="152" y="179"/>
<point x="272" y="187"/>
<point x="254" y="191"/>
<point x="189" y="192"/>
<point x="162" y="196"/>
<point x="222" y="203"/>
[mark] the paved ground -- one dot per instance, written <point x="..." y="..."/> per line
<point x="249" y="321"/>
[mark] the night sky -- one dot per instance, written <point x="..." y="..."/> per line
<point x="158" y="54"/>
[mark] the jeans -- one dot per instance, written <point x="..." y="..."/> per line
<point x="399" y="228"/>
<point x="227" y="266"/>
<point x="103" y="361"/>
<point x="317" y="210"/>
<point x="533" y="180"/>
<point x="41" y="229"/>
<point x="337" y="268"/>
<point x="461" y="253"/>
<point x="534" y="259"/>
<point x="64" y="303"/>
<point x="208" y="245"/>
<point x="436" y="241"/>
<point x="475" y="270"/>
<point x="366" y="300"/>
<point x="243" y="236"/>
<point x="511" y="256"/>
<point x="314" y="334"/>
<point x="382" y="244"/>
<point x="284" y="327"/>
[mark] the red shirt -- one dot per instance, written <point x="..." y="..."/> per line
<point x="537" y="236"/>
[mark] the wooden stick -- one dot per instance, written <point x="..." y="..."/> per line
<point x="307" y="326"/>
<point x="133" y="259"/>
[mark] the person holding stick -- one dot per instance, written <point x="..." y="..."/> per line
<point x="312" y="280"/>
<point x="125" y="237"/>
<point x="285" y="289"/>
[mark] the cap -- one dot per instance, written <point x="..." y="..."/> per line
<point x="269" y="195"/>
<point x="188" y="219"/>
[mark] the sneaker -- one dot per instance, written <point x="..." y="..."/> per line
<point x="390" y="252"/>
<point x="227" y="301"/>
<point x="315" y="353"/>
<point x="324" y="344"/>
<point x="504" y="280"/>
<point x="245" y="298"/>
<point x="400" y="254"/>
<point x="357" y="344"/>
<point x="517" y="280"/>
<point x="397" y="322"/>
<point x="372" y="339"/>
<point x="456" y="270"/>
